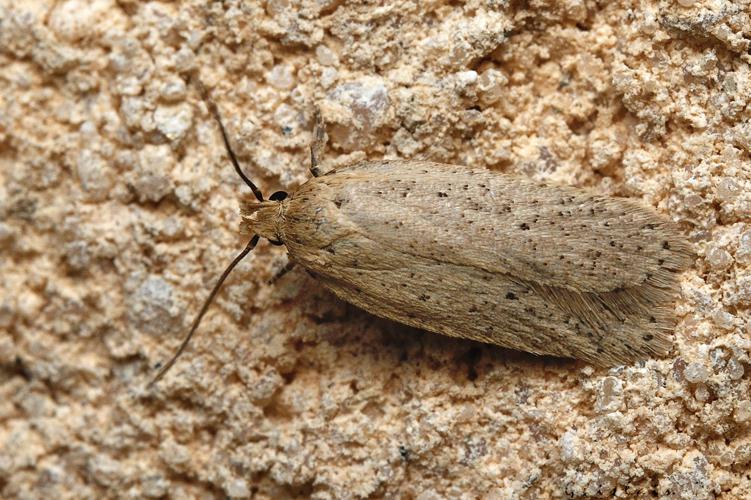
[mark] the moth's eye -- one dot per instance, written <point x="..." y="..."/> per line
<point x="278" y="196"/>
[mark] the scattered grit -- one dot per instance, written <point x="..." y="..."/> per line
<point x="118" y="209"/>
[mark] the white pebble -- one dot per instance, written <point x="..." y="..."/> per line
<point x="693" y="201"/>
<point x="490" y="83"/>
<point x="29" y="305"/>
<point x="132" y="110"/>
<point x="328" y="77"/>
<point x="696" y="372"/>
<point x="728" y="189"/>
<point x="326" y="56"/>
<point x="175" y="455"/>
<point x="75" y="19"/>
<point x="723" y="319"/>
<point x="238" y="488"/>
<point x="701" y="393"/>
<point x="151" y="301"/>
<point x="173" y="90"/>
<point x="743" y="411"/>
<point x="609" y="395"/>
<point x="366" y="103"/>
<point x="726" y="459"/>
<point x="281" y="76"/>
<point x="735" y="369"/>
<point x="155" y="486"/>
<point x="465" y="79"/>
<point x="173" y="121"/>
<point x="740" y="135"/>
<point x="78" y="255"/>
<point x="95" y="174"/>
<point x="719" y="258"/>
<point x="152" y="181"/>
<point x="185" y="60"/>
<point x="569" y="444"/>
<point x="650" y="23"/>
<point x="742" y="454"/>
<point x="286" y="117"/>
<point x="743" y="254"/>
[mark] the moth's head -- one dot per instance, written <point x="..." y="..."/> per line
<point x="263" y="217"/>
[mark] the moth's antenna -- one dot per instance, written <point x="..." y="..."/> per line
<point x="251" y="244"/>
<point x="215" y="111"/>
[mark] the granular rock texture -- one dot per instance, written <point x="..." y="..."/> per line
<point x="118" y="210"/>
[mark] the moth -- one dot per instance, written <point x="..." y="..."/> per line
<point x="477" y="254"/>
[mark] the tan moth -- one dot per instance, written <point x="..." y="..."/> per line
<point x="477" y="254"/>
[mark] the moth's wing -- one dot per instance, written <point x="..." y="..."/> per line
<point x="552" y="235"/>
<point x="420" y="242"/>
<point x="473" y="303"/>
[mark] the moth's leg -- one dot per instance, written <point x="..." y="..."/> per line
<point x="281" y="272"/>
<point x="318" y="145"/>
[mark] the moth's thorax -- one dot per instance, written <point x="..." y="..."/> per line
<point x="264" y="218"/>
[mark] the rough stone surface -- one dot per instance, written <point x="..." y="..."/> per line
<point x="118" y="209"/>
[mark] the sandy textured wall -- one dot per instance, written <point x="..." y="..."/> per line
<point x="118" y="209"/>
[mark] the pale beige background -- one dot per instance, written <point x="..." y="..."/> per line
<point x="118" y="209"/>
